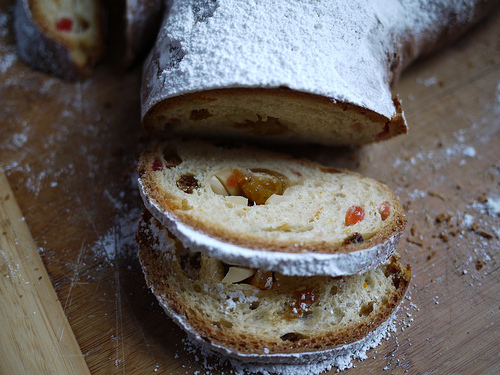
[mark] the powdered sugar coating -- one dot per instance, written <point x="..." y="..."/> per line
<point x="293" y="264"/>
<point x="341" y="50"/>
<point x="309" y="363"/>
<point x="280" y="363"/>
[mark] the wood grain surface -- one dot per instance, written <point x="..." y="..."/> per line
<point x="69" y="151"/>
<point x="35" y="336"/>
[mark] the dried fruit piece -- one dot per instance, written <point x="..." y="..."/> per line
<point x="172" y="121"/>
<point x="384" y="133"/>
<point x="200" y="114"/>
<point x="171" y="160"/>
<point x="385" y="210"/>
<point x="65" y="24"/>
<point x="354" y="238"/>
<point x="303" y="301"/>
<point x="330" y="170"/>
<point x="279" y="176"/>
<point x="354" y="215"/>
<point x="292" y="336"/>
<point x="231" y="181"/>
<point x="227" y="179"/>
<point x="259" y="184"/>
<point x="263" y="280"/>
<point x="187" y="183"/>
<point x="157" y="166"/>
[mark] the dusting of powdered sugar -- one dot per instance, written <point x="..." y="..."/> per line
<point x="491" y="206"/>
<point x="310" y="363"/>
<point x="8" y="54"/>
<point x="341" y="358"/>
<point x="335" y="49"/>
<point x="293" y="264"/>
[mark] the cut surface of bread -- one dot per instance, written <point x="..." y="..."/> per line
<point x="265" y="316"/>
<point x="273" y="114"/>
<point x="65" y="38"/>
<point x="251" y="206"/>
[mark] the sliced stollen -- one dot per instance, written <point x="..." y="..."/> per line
<point x="293" y="70"/>
<point x="258" y="208"/>
<point x="267" y="316"/>
<point x="142" y="20"/>
<point x="65" y="38"/>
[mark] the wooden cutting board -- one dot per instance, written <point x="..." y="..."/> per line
<point x="69" y="151"/>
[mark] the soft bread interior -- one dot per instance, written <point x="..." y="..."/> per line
<point x="309" y="211"/>
<point x="270" y="114"/>
<point x="282" y="314"/>
<point x="75" y="24"/>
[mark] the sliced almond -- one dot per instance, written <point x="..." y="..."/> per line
<point x="217" y="186"/>
<point x="276" y="199"/>
<point x="237" y="274"/>
<point x="225" y="176"/>
<point x="236" y="201"/>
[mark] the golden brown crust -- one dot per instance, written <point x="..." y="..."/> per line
<point x="159" y="268"/>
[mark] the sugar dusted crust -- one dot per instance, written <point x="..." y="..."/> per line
<point x="209" y="310"/>
<point x="304" y="233"/>
<point x="292" y="70"/>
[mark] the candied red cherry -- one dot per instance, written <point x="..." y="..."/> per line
<point x="65" y="24"/>
<point x="157" y="166"/>
<point x="231" y="181"/>
<point x="385" y="210"/>
<point x="354" y="215"/>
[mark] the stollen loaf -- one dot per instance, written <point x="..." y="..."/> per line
<point x="292" y="70"/>
<point x="65" y="38"/>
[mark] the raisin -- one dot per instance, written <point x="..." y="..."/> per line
<point x="200" y="114"/>
<point x="187" y="183"/>
<point x="292" y="336"/>
<point x="262" y="280"/>
<point x="354" y="238"/>
<point x="171" y="159"/>
<point x="259" y="184"/>
<point x="303" y="300"/>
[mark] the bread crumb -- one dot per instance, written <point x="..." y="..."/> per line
<point x="443" y="218"/>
